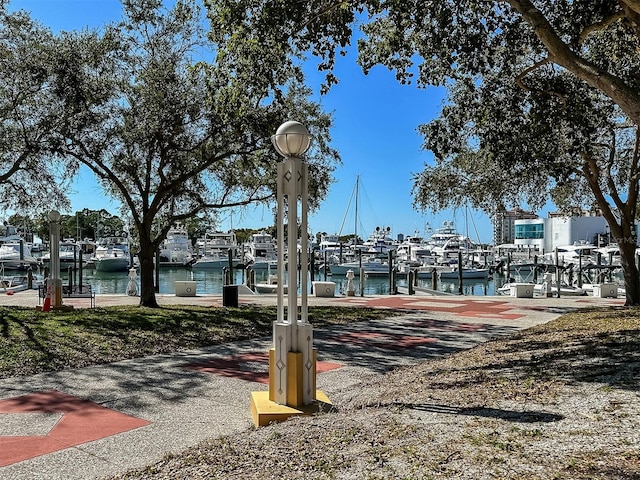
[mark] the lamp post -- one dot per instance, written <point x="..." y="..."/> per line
<point x="293" y="365"/>
<point x="54" y="252"/>
<point x="292" y="358"/>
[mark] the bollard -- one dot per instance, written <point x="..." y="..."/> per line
<point x="351" y="290"/>
<point x="412" y="273"/>
<point x="393" y="287"/>
<point x="434" y="279"/>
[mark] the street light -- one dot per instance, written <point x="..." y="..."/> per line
<point x="54" y="254"/>
<point x="292" y="358"/>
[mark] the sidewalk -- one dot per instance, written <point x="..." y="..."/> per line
<point x="97" y="421"/>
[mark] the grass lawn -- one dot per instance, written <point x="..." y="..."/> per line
<point x="33" y="342"/>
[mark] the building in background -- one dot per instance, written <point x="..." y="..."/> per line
<point x="545" y="234"/>
<point x="504" y="222"/>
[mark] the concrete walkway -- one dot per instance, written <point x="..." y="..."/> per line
<point x="97" y="421"/>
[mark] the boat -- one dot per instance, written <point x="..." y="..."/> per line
<point x="261" y="254"/>
<point x="176" y="249"/>
<point x="446" y="241"/>
<point x="213" y="251"/>
<point x="467" y="272"/>
<point x="371" y="266"/>
<point x="570" y="254"/>
<point x="540" y="289"/>
<point x="414" y="251"/>
<point x="17" y="283"/>
<point x="16" y="255"/>
<point x="589" y="287"/>
<point x="215" y="261"/>
<point x="112" y="254"/>
<point x="565" y="289"/>
<point x="329" y="244"/>
<point x="379" y="242"/>
<point x="68" y="255"/>
<point x="270" y="287"/>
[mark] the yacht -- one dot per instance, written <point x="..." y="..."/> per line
<point x="214" y="248"/>
<point x="15" y="253"/>
<point x="379" y="241"/>
<point x="371" y="266"/>
<point x="112" y="254"/>
<point x="261" y="254"/>
<point x="176" y="249"/>
<point x="446" y="241"/>
<point x="68" y="255"/>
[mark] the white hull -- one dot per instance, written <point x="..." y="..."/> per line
<point x="268" y="288"/>
<point x="214" y="264"/>
<point x="370" y="268"/>
<point x="111" y="264"/>
<point x="477" y="273"/>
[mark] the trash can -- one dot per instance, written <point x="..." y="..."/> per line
<point x="230" y="295"/>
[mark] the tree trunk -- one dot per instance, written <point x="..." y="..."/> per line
<point x="630" y="271"/>
<point x="147" y="286"/>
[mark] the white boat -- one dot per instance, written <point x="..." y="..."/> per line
<point x="68" y="255"/>
<point x="214" y="261"/>
<point x="270" y="287"/>
<point x="570" y="254"/>
<point x="329" y="245"/>
<point x="565" y="289"/>
<point x="446" y="240"/>
<point x="213" y="251"/>
<point x="217" y="242"/>
<point x="379" y="241"/>
<point x="176" y="249"/>
<point x="454" y="274"/>
<point x="588" y="288"/>
<point x="261" y="254"/>
<point x="373" y="266"/>
<point x="16" y="255"/>
<point x="17" y="283"/>
<point x="112" y="254"/>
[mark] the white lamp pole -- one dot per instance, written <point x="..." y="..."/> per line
<point x="293" y="363"/>
<point x="54" y="255"/>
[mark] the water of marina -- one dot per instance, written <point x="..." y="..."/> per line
<point x="211" y="281"/>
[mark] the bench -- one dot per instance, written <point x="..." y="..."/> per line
<point x="76" y="291"/>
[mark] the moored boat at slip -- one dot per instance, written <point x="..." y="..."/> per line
<point x="111" y="254"/>
<point x="467" y="272"/>
<point x="176" y="250"/>
<point x="374" y="266"/>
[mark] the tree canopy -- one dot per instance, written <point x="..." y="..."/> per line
<point x="544" y="97"/>
<point x="170" y="126"/>
<point x="31" y="176"/>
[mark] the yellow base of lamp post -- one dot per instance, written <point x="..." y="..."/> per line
<point x="56" y="286"/>
<point x="265" y="410"/>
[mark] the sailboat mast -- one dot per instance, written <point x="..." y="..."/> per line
<point x="355" y="229"/>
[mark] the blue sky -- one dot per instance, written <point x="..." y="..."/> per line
<point x="375" y="121"/>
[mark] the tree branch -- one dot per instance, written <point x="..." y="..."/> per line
<point x="560" y="53"/>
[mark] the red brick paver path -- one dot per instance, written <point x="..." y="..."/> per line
<point x="79" y="421"/>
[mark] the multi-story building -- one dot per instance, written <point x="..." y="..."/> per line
<point x="504" y="222"/>
<point x="545" y="234"/>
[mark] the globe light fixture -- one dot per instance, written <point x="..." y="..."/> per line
<point x="54" y="216"/>
<point x="292" y="139"/>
